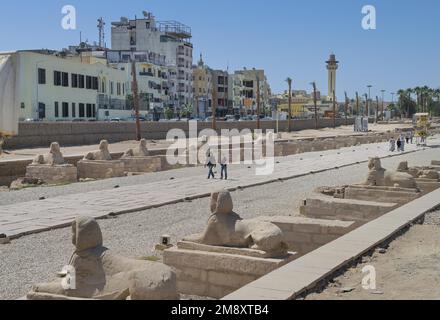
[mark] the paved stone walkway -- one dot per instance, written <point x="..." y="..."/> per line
<point x="37" y="216"/>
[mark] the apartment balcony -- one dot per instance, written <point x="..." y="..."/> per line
<point x="146" y="74"/>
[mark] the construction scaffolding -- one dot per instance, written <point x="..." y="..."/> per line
<point x="175" y="29"/>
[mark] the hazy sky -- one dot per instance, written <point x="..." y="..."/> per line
<point x="285" y="37"/>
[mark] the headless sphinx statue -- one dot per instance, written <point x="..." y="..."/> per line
<point x="378" y="176"/>
<point x="54" y="158"/>
<point x="101" y="155"/>
<point x="141" y="151"/>
<point x="227" y="228"/>
<point x="419" y="172"/>
<point x="102" y="275"/>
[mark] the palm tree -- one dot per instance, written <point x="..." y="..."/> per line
<point x="289" y="83"/>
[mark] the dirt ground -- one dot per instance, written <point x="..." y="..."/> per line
<point x="408" y="270"/>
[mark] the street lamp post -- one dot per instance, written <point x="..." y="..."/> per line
<point x="315" y="104"/>
<point x="369" y="98"/>
<point x="383" y="104"/>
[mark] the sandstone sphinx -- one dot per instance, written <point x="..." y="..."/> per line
<point x="138" y="160"/>
<point x="101" y="275"/>
<point x="378" y="176"/>
<point x="51" y="167"/>
<point x="141" y="151"/>
<point x="419" y="172"/>
<point x="100" y="165"/>
<point x="227" y="228"/>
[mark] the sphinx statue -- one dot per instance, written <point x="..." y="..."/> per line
<point x="101" y="155"/>
<point x="419" y="172"/>
<point x="227" y="228"/>
<point x="141" y="151"/>
<point x="99" y="274"/>
<point x="378" y="176"/>
<point x="53" y="158"/>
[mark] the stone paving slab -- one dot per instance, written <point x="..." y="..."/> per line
<point x="303" y="274"/>
<point x="28" y="217"/>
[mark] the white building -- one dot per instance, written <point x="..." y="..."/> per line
<point x="168" y="39"/>
<point x="56" y="88"/>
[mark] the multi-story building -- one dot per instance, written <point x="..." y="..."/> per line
<point x="245" y="91"/>
<point x="220" y="92"/>
<point x="169" y="40"/>
<point x="202" y="89"/>
<point x="54" y="87"/>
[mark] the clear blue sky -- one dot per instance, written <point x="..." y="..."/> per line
<point x="285" y="37"/>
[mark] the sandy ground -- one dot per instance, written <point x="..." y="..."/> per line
<point x="21" y="154"/>
<point x="408" y="270"/>
<point x="37" y="258"/>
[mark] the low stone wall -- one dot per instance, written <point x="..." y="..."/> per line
<point x="304" y="235"/>
<point x="100" y="169"/>
<point x="52" y="174"/>
<point x="142" y="164"/>
<point x="397" y="195"/>
<point x="216" y="274"/>
<point x="345" y="209"/>
<point x="41" y="134"/>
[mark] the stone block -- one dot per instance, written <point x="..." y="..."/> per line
<point x="380" y="194"/>
<point x="92" y="169"/>
<point x="142" y="164"/>
<point x="52" y="174"/>
<point x="435" y="162"/>
<point x="214" y="273"/>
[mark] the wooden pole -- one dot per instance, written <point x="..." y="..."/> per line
<point x="357" y="104"/>
<point x="334" y="109"/>
<point x="316" y="105"/>
<point x="258" y="102"/>
<point x="346" y="108"/>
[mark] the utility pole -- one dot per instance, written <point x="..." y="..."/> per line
<point x="346" y="108"/>
<point x="357" y="104"/>
<point x="214" y="106"/>
<point x="367" y="106"/>
<point x="134" y="88"/>
<point x="383" y="105"/>
<point x="258" y="102"/>
<point x="289" y="82"/>
<point x="334" y="109"/>
<point x="377" y="109"/>
<point x="316" y="105"/>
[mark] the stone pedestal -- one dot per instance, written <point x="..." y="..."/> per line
<point x="381" y="194"/>
<point x="435" y="162"/>
<point x="215" y="272"/>
<point x="345" y="209"/>
<point x="427" y="185"/>
<point x="304" y="235"/>
<point x="52" y="174"/>
<point x="142" y="164"/>
<point x="94" y="169"/>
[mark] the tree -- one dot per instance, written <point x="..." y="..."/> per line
<point x="169" y="113"/>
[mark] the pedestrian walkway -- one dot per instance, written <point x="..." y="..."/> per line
<point x="36" y="216"/>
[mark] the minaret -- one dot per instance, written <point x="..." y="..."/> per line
<point x="332" y="66"/>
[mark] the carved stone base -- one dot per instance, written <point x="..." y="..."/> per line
<point x="52" y="174"/>
<point x="88" y="169"/>
<point x="215" y="272"/>
<point x="142" y="164"/>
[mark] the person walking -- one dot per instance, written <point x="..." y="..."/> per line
<point x="224" y="166"/>
<point x="399" y="144"/>
<point x="408" y="137"/>
<point x="392" y="145"/>
<point x="402" y="144"/>
<point x="210" y="163"/>
<point x="412" y="136"/>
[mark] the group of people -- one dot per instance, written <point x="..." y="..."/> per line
<point x="211" y="163"/>
<point x="401" y="142"/>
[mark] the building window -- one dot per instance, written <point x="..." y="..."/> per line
<point x="41" y="110"/>
<point x="74" y="80"/>
<point x="112" y="89"/>
<point x="57" y="78"/>
<point x="93" y="110"/>
<point x="95" y="83"/>
<point x="65" y="78"/>
<point x="56" y="110"/>
<point x="81" y="110"/>
<point x="123" y="89"/>
<point x="88" y="82"/>
<point x="65" y="110"/>
<point x="118" y="89"/>
<point x="89" y="110"/>
<point x="73" y="110"/>
<point x="41" y="76"/>
<point x="81" y="81"/>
